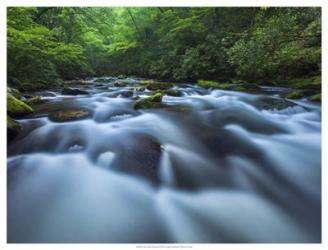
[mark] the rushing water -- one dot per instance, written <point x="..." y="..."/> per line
<point x="209" y="166"/>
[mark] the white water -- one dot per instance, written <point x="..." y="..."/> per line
<point x="227" y="170"/>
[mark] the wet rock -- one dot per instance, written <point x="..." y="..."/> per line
<point x="139" y="155"/>
<point x="35" y="100"/>
<point x="17" y="108"/>
<point x="173" y="92"/>
<point x="14" y="92"/>
<point x="127" y="94"/>
<point x="120" y="84"/>
<point x="47" y="94"/>
<point x="316" y="98"/>
<point x="13" y="128"/>
<point x="104" y="79"/>
<point x="73" y="91"/>
<point x="140" y="89"/>
<point x="69" y="115"/>
<point x="298" y="94"/>
<point x="75" y="82"/>
<point x="149" y="102"/>
<point x="159" y="86"/>
<point x="269" y="103"/>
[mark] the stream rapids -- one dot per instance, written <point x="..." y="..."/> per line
<point x="211" y="166"/>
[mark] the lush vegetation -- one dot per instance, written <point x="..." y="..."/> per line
<point x="49" y="44"/>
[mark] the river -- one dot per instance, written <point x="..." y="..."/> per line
<point x="209" y="166"/>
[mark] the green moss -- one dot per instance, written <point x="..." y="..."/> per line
<point x="296" y="95"/>
<point x="34" y="100"/>
<point x="15" y="92"/>
<point x="149" y="102"/>
<point x="173" y="92"/>
<point x="316" y="98"/>
<point x="144" y="82"/>
<point x="17" y="108"/>
<point x="313" y="82"/>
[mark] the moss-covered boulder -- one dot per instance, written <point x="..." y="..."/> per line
<point x="149" y="102"/>
<point x="316" y="98"/>
<point x="145" y="82"/>
<point x="173" y="92"/>
<point x="15" y="92"/>
<point x="236" y="85"/>
<point x="69" y="115"/>
<point x="13" y="128"/>
<point x="297" y="94"/>
<point x="35" y="100"/>
<point x="159" y="86"/>
<point x="17" y="108"/>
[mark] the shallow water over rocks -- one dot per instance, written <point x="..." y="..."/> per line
<point x="209" y="166"/>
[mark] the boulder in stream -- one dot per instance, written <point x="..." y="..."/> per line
<point x="69" y="115"/>
<point x="139" y="155"/>
<point x="13" y="128"/>
<point x="74" y="91"/>
<point x="17" y="108"/>
<point x="149" y="102"/>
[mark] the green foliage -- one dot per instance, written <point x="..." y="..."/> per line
<point x="47" y="44"/>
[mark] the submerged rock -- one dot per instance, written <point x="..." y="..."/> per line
<point x="139" y="155"/>
<point x="120" y="84"/>
<point x="17" y="108"/>
<point x="69" y="115"/>
<point x="13" y="128"/>
<point x="73" y="91"/>
<point x="127" y="94"/>
<point x="173" y="92"/>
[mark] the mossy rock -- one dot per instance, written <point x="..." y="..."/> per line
<point x="35" y="100"/>
<point x="297" y="94"/>
<point x="15" y="92"/>
<point x="159" y="86"/>
<point x="316" y="98"/>
<point x="149" y="102"/>
<point x="17" y="108"/>
<point x="69" y="115"/>
<point x="214" y="85"/>
<point x="145" y="82"/>
<point x="13" y="128"/>
<point x="173" y="92"/>
<point x="312" y="82"/>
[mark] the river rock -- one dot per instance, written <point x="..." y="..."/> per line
<point x="139" y="155"/>
<point x="73" y="91"/>
<point x="120" y="84"/>
<point x="127" y="94"/>
<point x="17" y="108"/>
<point x="149" y="102"/>
<point x="35" y="100"/>
<point x="159" y="86"/>
<point x="69" y="115"/>
<point x="13" y="128"/>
